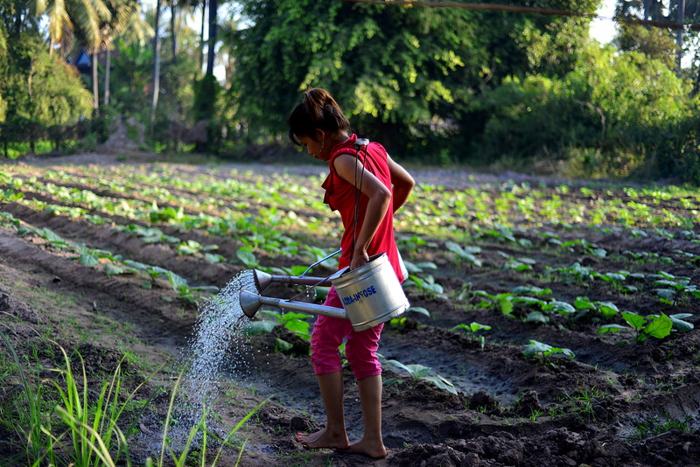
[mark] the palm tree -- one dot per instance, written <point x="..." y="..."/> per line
<point x="70" y="16"/>
<point x="156" y="64"/>
<point x="211" y="42"/>
<point x="173" y="29"/>
<point x="124" y="13"/>
<point x="77" y="17"/>
<point x="201" y="36"/>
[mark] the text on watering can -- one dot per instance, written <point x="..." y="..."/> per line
<point x="350" y="299"/>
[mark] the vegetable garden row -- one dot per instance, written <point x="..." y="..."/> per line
<point x="550" y="322"/>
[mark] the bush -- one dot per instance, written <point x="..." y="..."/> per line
<point x="676" y="151"/>
<point x="43" y="94"/>
<point x="607" y="114"/>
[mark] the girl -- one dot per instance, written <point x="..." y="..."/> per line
<point x="318" y="124"/>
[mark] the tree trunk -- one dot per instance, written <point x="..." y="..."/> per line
<point x="95" y="84"/>
<point x="173" y="21"/>
<point x="211" y="43"/>
<point x="679" y="35"/>
<point x="32" y="139"/>
<point x="108" y="64"/>
<point x="18" y="20"/>
<point x="156" y="66"/>
<point x="201" y="36"/>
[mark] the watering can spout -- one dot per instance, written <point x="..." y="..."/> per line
<point x="262" y="279"/>
<point x="250" y="303"/>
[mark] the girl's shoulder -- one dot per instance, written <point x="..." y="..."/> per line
<point x="373" y="148"/>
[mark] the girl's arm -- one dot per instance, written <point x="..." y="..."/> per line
<point x="402" y="181"/>
<point x="379" y="197"/>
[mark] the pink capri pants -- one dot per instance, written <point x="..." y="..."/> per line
<point x="360" y="348"/>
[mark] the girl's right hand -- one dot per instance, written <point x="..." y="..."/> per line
<point x="359" y="258"/>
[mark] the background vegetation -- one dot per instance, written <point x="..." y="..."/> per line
<point x="442" y="85"/>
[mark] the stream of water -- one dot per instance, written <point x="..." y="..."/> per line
<point x="217" y="341"/>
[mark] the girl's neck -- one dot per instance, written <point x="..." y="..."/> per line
<point x="332" y="141"/>
<point x="339" y="137"/>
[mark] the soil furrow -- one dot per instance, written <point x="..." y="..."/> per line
<point x="122" y="296"/>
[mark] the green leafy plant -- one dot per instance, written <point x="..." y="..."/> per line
<point x="543" y="352"/>
<point x="474" y="328"/>
<point x="465" y="254"/>
<point x="520" y="264"/>
<point x="426" y="284"/>
<point x="656" y="326"/>
<point x="417" y="371"/>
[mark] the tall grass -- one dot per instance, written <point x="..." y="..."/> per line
<point x="84" y="431"/>
<point x="198" y="428"/>
<point x="31" y="418"/>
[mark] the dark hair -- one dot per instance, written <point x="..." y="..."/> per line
<point x="318" y="111"/>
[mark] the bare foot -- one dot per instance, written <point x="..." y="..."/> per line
<point x="374" y="449"/>
<point x="323" y="439"/>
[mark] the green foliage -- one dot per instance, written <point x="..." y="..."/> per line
<point x="473" y="328"/>
<point x="655" y="43"/>
<point x="206" y="106"/>
<point x="40" y="94"/>
<point x="611" y="102"/>
<point x="425" y="373"/>
<point x="656" y="326"/>
<point x="536" y="349"/>
<point x="408" y="74"/>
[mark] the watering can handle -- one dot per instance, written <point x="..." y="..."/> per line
<point x="320" y="261"/>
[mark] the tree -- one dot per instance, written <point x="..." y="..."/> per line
<point x="211" y="41"/>
<point x="201" y="35"/>
<point x="659" y="42"/>
<point x="83" y="18"/>
<point x="43" y="93"/>
<point x="122" y="14"/>
<point x="406" y="75"/>
<point x="3" y="70"/>
<point x="156" y="64"/>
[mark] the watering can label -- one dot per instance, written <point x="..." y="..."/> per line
<point x="356" y="297"/>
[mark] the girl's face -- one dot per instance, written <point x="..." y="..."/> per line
<point x="314" y="147"/>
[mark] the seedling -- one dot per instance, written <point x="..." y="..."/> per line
<point x="465" y="254"/>
<point x="656" y="326"/>
<point x="654" y="425"/>
<point x="298" y="323"/>
<point x="680" y="323"/>
<point x="420" y="310"/>
<point x="520" y="264"/>
<point x="425" y="373"/>
<point x="584" y="400"/>
<point x="544" y="352"/>
<point x="474" y="328"/>
<point x="426" y="284"/>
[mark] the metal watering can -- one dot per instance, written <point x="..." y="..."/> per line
<point x="370" y="294"/>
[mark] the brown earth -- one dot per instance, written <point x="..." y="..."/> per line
<point x="617" y="403"/>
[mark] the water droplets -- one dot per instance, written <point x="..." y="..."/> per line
<point x="218" y="331"/>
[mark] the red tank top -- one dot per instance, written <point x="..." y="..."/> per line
<point x="340" y="196"/>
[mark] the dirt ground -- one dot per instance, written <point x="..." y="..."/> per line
<point x="617" y="403"/>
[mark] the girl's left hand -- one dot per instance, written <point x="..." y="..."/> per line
<point x="359" y="258"/>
